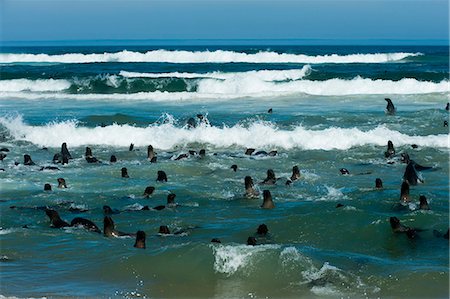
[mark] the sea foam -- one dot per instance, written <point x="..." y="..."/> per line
<point x="259" y="134"/>
<point x="218" y="56"/>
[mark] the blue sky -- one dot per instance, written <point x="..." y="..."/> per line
<point x="357" y="20"/>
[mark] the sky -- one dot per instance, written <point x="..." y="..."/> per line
<point x="425" y="21"/>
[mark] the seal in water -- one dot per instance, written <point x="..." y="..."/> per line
<point x="423" y="203"/>
<point x="404" y="192"/>
<point x="441" y="235"/>
<point x="47" y="187"/>
<point x="267" y="201"/>
<point x="250" y="192"/>
<point x="390" y="152"/>
<point x="161" y="176"/>
<point x="148" y="191"/>
<point x="140" y="240"/>
<point x="397" y="227"/>
<point x="89" y="157"/>
<point x="270" y="179"/>
<point x="124" y="172"/>
<point x="404" y="158"/>
<point x="447" y="106"/>
<point x="249" y="151"/>
<point x="65" y="152"/>
<point x="390" y="109"/>
<point x="171" y="200"/>
<point x="378" y="183"/>
<point x="57" y="222"/>
<point x="113" y="159"/>
<point x="411" y="175"/>
<point x="108" y="211"/>
<point x="215" y="240"/>
<point x="234" y="167"/>
<point x="164" y="230"/>
<point x="87" y="224"/>
<point x="27" y="160"/>
<point x="151" y="155"/>
<point x="2" y="156"/>
<point x="202" y="153"/>
<point x="130" y="149"/>
<point x="270" y="111"/>
<point x="109" y="229"/>
<point x="251" y="241"/>
<point x="295" y="173"/>
<point x="262" y="230"/>
<point x="61" y="183"/>
<point x="344" y="171"/>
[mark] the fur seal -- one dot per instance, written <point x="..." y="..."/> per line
<point x="344" y="171"/>
<point x="404" y="158"/>
<point x="2" y="156"/>
<point x="27" y="160"/>
<point x="130" y="149"/>
<point x="151" y="155"/>
<point x="270" y="179"/>
<point x="107" y="210"/>
<point x="171" y="200"/>
<point x="124" y="172"/>
<point x="250" y="192"/>
<point x="249" y="151"/>
<point x="390" y="152"/>
<point x="378" y="183"/>
<point x="47" y="187"/>
<point x="397" y="227"/>
<point x="447" y="106"/>
<point x="423" y="203"/>
<point x="57" y="222"/>
<point x="164" y="230"/>
<point x="390" y="109"/>
<point x="61" y="183"/>
<point x="113" y="159"/>
<point x="411" y="175"/>
<point x="181" y="156"/>
<point x="65" y="152"/>
<point x="89" y="157"/>
<point x="270" y="111"/>
<point x="202" y="153"/>
<point x="140" y="240"/>
<point x="234" y="167"/>
<point x="215" y="240"/>
<point x="445" y="123"/>
<point x="87" y="224"/>
<point x="251" y="241"/>
<point x="404" y="192"/>
<point x="161" y="176"/>
<point x="148" y="191"/>
<point x="267" y="200"/>
<point x="339" y="205"/>
<point x="48" y="168"/>
<point x="295" y="173"/>
<point x="109" y="229"/>
<point x="262" y="230"/>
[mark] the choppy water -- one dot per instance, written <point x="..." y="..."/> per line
<point x="328" y="113"/>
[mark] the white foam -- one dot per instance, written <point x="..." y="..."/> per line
<point x="240" y="86"/>
<point x="6" y="231"/>
<point x="218" y="56"/>
<point x="265" y="75"/>
<point x="262" y="135"/>
<point x="228" y="258"/>
<point x="40" y="85"/>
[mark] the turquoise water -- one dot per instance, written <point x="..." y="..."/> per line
<point x="328" y="113"/>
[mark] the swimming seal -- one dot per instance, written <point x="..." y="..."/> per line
<point x="378" y="183"/>
<point x="130" y="149"/>
<point x="171" y="200"/>
<point x="148" y="191"/>
<point x="250" y="192"/>
<point x="140" y="240"/>
<point x="164" y="230"/>
<point x="202" y="153"/>
<point x="390" y="109"/>
<point x="344" y="171"/>
<point x="113" y="159"/>
<point x="447" y="106"/>
<point x="47" y="187"/>
<point x="89" y="157"/>
<point x="411" y="175"/>
<point x="107" y="210"/>
<point x="295" y="173"/>
<point x="390" y="152"/>
<point x="234" y="167"/>
<point x="57" y="222"/>
<point x="249" y="151"/>
<point x="61" y="183"/>
<point x="397" y="227"/>
<point x="2" y="156"/>
<point x="27" y="160"/>
<point x="161" y="176"/>
<point x="270" y="179"/>
<point x="87" y="224"/>
<point x="262" y="229"/>
<point x="251" y="241"/>
<point x="267" y="200"/>
<point x="109" y="229"/>
<point x="404" y="192"/>
<point x="270" y="111"/>
<point x="423" y="203"/>
<point x="124" y="172"/>
<point x="65" y="152"/>
<point x="151" y="155"/>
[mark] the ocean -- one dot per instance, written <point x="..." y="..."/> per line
<point x="321" y="108"/>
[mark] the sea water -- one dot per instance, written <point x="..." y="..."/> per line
<point x="328" y="113"/>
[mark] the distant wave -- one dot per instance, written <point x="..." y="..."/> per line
<point x="40" y="85"/>
<point x="237" y="86"/>
<point x="266" y="75"/>
<point x="262" y="135"/>
<point x="218" y="56"/>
